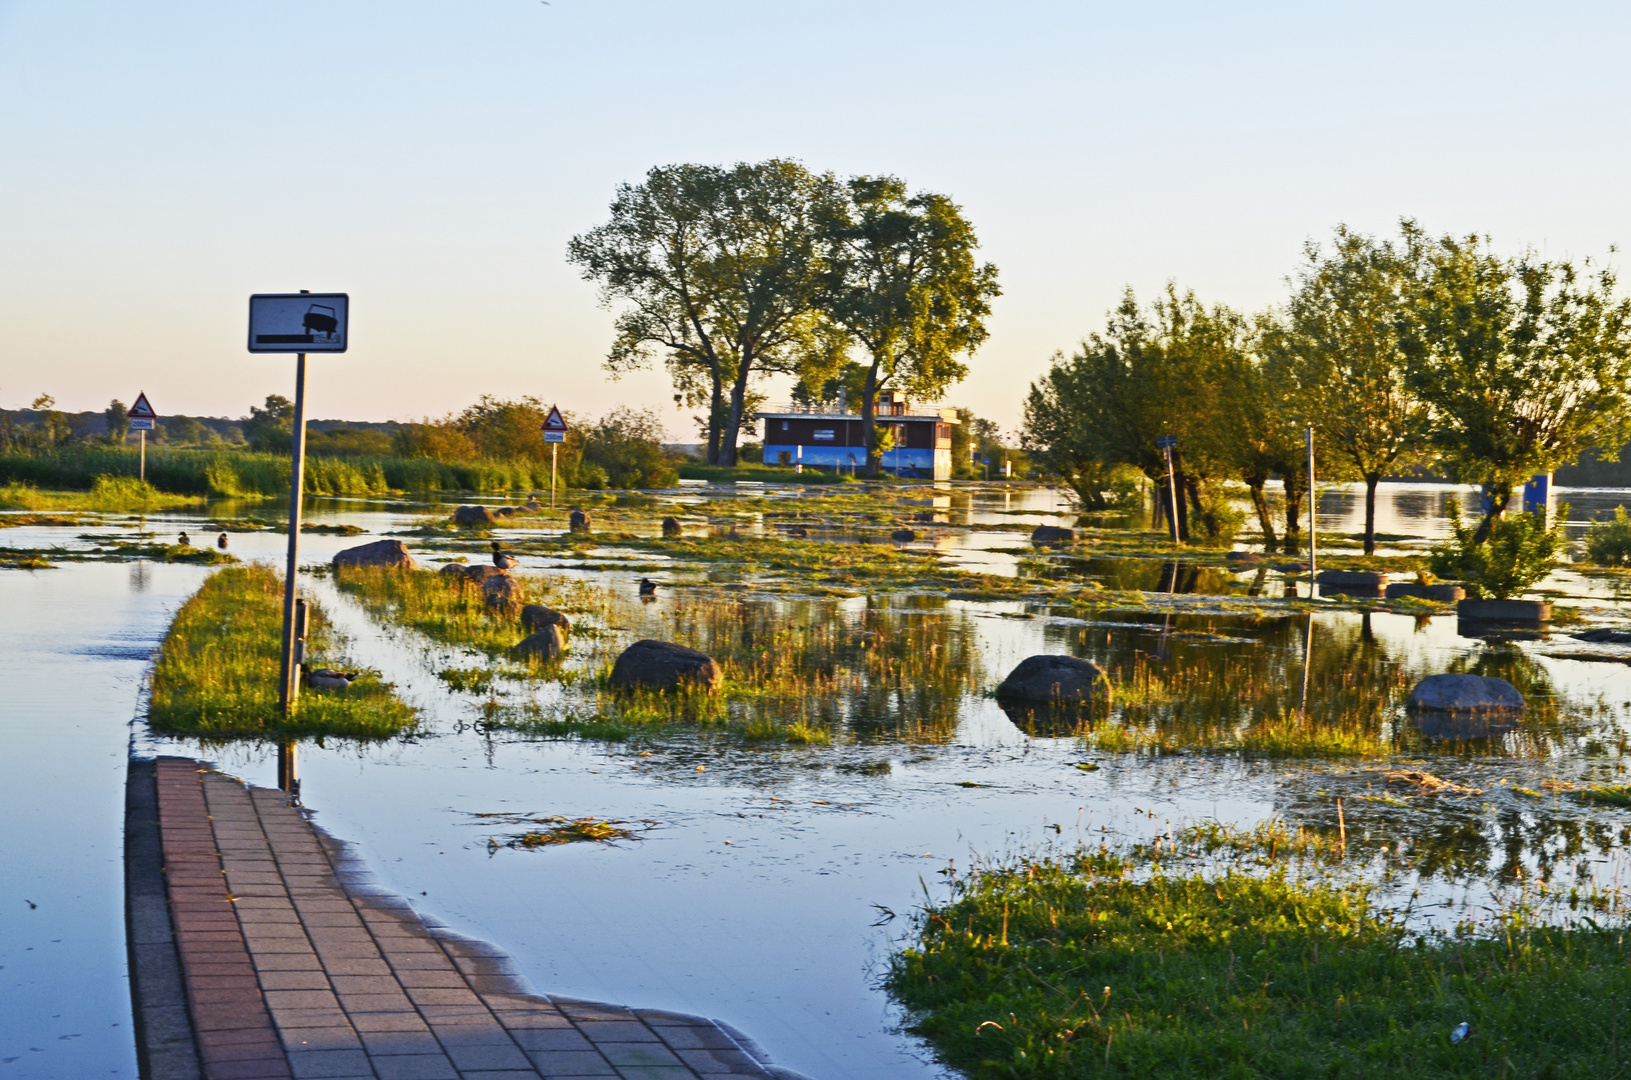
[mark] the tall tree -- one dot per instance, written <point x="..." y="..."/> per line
<point x="1342" y="335"/>
<point x="719" y="269"/>
<point x="1526" y="364"/>
<point x="118" y="420"/>
<point x="902" y="281"/>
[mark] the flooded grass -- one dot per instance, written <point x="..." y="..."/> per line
<point x="113" y="494"/>
<point x="555" y="831"/>
<point x="1145" y="965"/>
<point x="217" y="671"/>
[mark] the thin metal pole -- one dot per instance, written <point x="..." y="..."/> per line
<point x="554" y="448"/>
<point x="1313" y="500"/>
<point x="1172" y="495"/>
<point x="143" y="434"/>
<point x="289" y="688"/>
<point x="288" y="778"/>
<point x="1308" y="660"/>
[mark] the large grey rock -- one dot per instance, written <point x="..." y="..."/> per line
<point x="472" y="515"/>
<point x="1052" y="534"/>
<point x="546" y="644"/>
<point x="671" y="528"/>
<point x="1519" y="611"/>
<point x="663" y="665"/>
<point x="453" y="570"/>
<point x="579" y="522"/>
<point x="391" y="553"/>
<point x="537" y="616"/>
<point x="1466" y="693"/>
<point x="903" y="536"/>
<point x="532" y="506"/>
<point x="504" y="512"/>
<point x="1063" y="679"/>
<point x="1444" y="594"/>
<point x="1352" y="579"/>
<point x="480" y="573"/>
<point x="502" y="593"/>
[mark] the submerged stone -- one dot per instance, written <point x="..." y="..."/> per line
<point x="537" y="616"/>
<point x="546" y="644"/>
<point x="472" y="515"/>
<point x="502" y="592"/>
<point x="671" y="528"/>
<point x="1055" y="678"/>
<point x="389" y="553"/>
<point x="663" y="665"/>
<point x="1052" y="534"/>
<point x="579" y="522"/>
<point x="1466" y="693"/>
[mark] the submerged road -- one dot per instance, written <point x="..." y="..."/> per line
<point x="295" y="963"/>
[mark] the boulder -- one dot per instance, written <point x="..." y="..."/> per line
<point x="472" y="515"/>
<point x="579" y="522"/>
<point x="1521" y="611"/>
<point x="532" y="506"/>
<point x="392" y="553"/>
<point x="1291" y="568"/>
<point x="798" y="531"/>
<point x="1052" y="534"/>
<point x="480" y="572"/>
<point x="1605" y="635"/>
<point x="1055" y="678"/>
<point x="546" y="644"/>
<point x="453" y="569"/>
<point x="1444" y="594"/>
<point x="1465" y="693"/>
<point x="537" y="616"/>
<point x="1352" y="579"/>
<point x="502" y="593"/>
<point x="663" y="665"/>
<point x="504" y="512"/>
<point x="671" y="528"/>
<point x="903" y="536"/>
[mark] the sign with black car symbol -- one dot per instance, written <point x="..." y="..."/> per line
<point x="298" y="322"/>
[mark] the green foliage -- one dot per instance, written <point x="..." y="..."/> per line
<point x="271" y="430"/>
<point x="1094" y="965"/>
<point x="1520" y="551"/>
<point x="1608" y="543"/>
<point x="217" y="671"/>
<point x="108" y="493"/>
<point x="627" y="445"/>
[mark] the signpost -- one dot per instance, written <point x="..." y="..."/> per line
<point x="142" y="417"/>
<point x="299" y="323"/>
<point x="1313" y="501"/>
<point x="1167" y="443"/>
<point x="554" y="429"/>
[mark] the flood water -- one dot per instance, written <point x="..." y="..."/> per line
<point x="768" y="888"/>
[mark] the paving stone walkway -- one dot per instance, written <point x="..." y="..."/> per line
<point x="297" y="964"/>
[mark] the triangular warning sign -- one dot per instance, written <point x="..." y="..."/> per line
<point x="142" y="410"/>
<point x="555" y="422"/>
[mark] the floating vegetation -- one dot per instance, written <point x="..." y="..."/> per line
<point x="553" y="831"/>
<point x="19" y="559"/>
<point x="217" y="671"/>
<point x="1149" y="964"/>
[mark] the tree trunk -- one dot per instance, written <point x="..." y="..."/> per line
<point x="1500" y="495"/>
<point x="733" y="422"/>
<point x="1294" y="507"/>
<point x="716" y="413"/>
<point x="869" y="421"/>
<point x="1265" y="520"/>
<point x="1371" y="480"/>
<point x="1197" y="512"/>
<point x="1182" y="509"/>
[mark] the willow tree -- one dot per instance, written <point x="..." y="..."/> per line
<point x="901" y="280"/>
<point x="1342" y="336"/>
<point x="1526" y="364"/>
<point x="718" y="269"/>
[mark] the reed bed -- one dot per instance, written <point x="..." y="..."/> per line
<point x="109" y="494"/>
<point x="217" y="671"/>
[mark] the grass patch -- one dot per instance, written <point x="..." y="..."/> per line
<point x="554" y="831"/>
<point x="217" y="672"/>
<point x="1096" y="964"/>
<point x="113" y="494"/>
<point x="1606" y="795"/>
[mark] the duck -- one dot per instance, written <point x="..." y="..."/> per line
<point x="182" y="541"/>
<point x="648" y="587"/>
<point x="324" y="678"/>
<point x="503" y="559"/>
<point x="221" y="541"/>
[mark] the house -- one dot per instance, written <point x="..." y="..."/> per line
<point x="828" y="436"/>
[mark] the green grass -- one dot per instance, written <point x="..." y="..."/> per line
<point x="108" y="493"/>
<point x="217" y="671"/>
<point x="1099" y="965"/>
<point x="721" y="474"/>
<point x="554" y="831"/>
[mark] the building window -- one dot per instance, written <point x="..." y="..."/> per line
<point x="784" y="425"/>
<point x="825" y="435"/>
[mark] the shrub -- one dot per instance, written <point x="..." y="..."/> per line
<point x="1519" y="552"/>
<point x="1608" y="543"/>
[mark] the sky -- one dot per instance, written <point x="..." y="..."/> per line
<point x="161" y="161"/>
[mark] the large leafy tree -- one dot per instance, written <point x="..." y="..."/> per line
<point x="1526" y="364"/>
<point x="1342" y="338"/>
<point x="718" y="269"/>
<point x="902" y="282"/>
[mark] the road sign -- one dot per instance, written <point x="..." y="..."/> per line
<point x="298" y="322"/>
<point x="554" y="436"/>
<point x="141" y="423"/>
<point x="1167" y="442"/>
<point x="142" y="410"/>
<point x="554" y="426"/>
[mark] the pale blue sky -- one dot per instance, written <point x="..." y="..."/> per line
<point x="159" y="161"/>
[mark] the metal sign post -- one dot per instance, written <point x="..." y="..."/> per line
<point x="554" y="429"/>
<point x="1166" y="443"/>
<point x="299" y="323"/>
<point x="142" y="418"/>
<point x="1313" y="500"/>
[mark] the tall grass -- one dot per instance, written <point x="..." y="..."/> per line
<point x="245" y="474"/>
<point x="217" y="672"/>
<point x="1090" y="965"/>
<point x="113" y="494"/>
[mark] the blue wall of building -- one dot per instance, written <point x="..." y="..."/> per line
<point x="917" y="464"/>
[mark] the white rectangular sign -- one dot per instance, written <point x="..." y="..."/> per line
<point x="298" y="322"/>
<point x="554" y="436"/>
<point x="141" y="423"/>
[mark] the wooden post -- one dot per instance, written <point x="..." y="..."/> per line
<point x="143" y="434"/>
<point x="1172" y="495"/>
<point x="554" y="448"/>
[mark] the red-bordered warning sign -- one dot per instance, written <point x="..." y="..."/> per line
<point x="142" y="410"/>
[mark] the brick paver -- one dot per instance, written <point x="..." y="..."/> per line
<point x="297" y="964"/>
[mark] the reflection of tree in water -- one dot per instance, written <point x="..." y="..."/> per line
<point x="881" y="672"/>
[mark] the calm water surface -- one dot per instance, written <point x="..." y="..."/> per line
<point x="762" y="889"/>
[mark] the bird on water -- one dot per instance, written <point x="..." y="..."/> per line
<point x="325" y="678"/>
<point x="221" y="541"/>
<point x="183" y="541"/>
<point x="503" y="559"/>
<point x="648" y="587"/>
